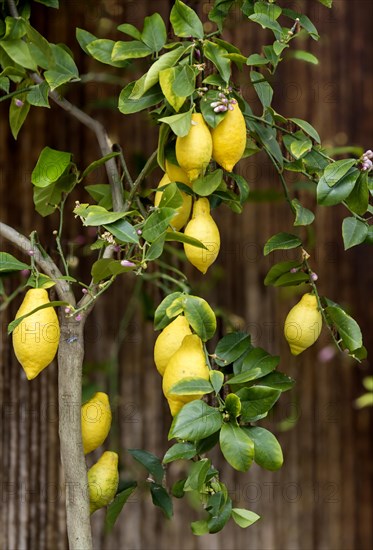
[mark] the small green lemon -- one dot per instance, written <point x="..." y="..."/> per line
<point x="36" y="338"/>
<point x="203" y="228"/>
<point x="103" y="479"/>
<point x="229" y="138"/>
<point x="169" y="341"/>
<point x="303" y="324"/>
<point x="96" y="421"/>
<point x="193" y="151"/>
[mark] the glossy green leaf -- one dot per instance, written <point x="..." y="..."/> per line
<point x="305" y="22"/>
<point x="354" y="232"/>
<point x="101" y="193"/>
<point x="106" y="268"/>
<point x="281" y="241"/>
<point x="268" y="137"/>
<point x="49" y="3"/>
<point x="15" y="28"/>
<point x="18" y="115"/>
<point x="115" y="507"/>
<point x="358" y="199"/>
<point x="4" y="84"/>
<point x="277" y="380"/>
<point x="335" y="171"/>
<point x="131" y="30"/>
<point x="242" y="184"/>
<point x="154" y="33"/>
<point x="180" y="124"/>
<point x="207" y="184"/>
<point x="134" y="49"/>
<point x="256" y="60"/>
<point x="211" y="118"/>
<point x="244" y="518"/>
<point x="50" y="166"/>
<point x="256" y="363"/>
<point x="185" y="21"/>
<point x="195" y="421"/>
<point x="162" y="499"/>
<point x="191" y="386"/>
<point x="128" y="106"/>
<point x="271" y="10"/>
<point x="102" y="50"/>
<point x="267" y="23"/>
<point x="167" y="79"/>
<point x="197" y="475"/>
<point x="330" y="196"/>
<point x="302" y="55"/>
<point x="268" y="452"/>
<point x="217" y="522"/>
<point x="231" y="347"/>
<point x="151" y="462"/>
<point x="161" y="319"/>
<point x="123" y="231"/>
<point x="199" y="527"/>
<point x="200" y="316"/>
<point x="9" y="263"/>
<point x="257" y="401"/>
<point x="346" y="326"/>
<point x="84" y="38"/>
<point x="303" y="216"/>
<point x="46" y="199"/>
<point x="38" y="96"/>
<point x="236" y="446"/>
<point x="279" y="269"/>
<point x="220" y="11"/>
<point x="180" y="451"/>
<point x="157" y="223"/>
<point x="19" y="52"/>
<point x="182" y="238"/>
<point x="185" y="80"/>
<point x="262" y="88"/>
<point x="306" y="127"/>
<point x="217" y="380"/>
<point x="63" y="68"/>
<point x="216" y="54"/>
<point x="97" y="163"/>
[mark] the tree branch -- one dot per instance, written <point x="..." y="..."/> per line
<point x="45" y="262"/>
<point x="136" y="184"/>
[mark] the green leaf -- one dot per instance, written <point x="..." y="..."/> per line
<point x="195" y="421"/>
<point x="182" y="238"/>
<point x="336" y="170"/>
<point x="217" y="380"/>
<point x="242" y="185"/>
<point x="197" y="475"/>
<point x="279" y="269"/>
<point x="171" y="196"/>
<point x="231" y="347"/>
<point x="303" y="216"/>
<point x="150" y="462"/>
<point x="38" y="96"/>
<point x="236" y="446"/>
<point x="268" y="137"/>
<point x="216" y="523"/>
<point x="306" y="127"/>
<point x="255" y="59"/>
<point x="102" y="50"/>
<point x="19" y="52"/>
<point x="49" y="3"/>
<point x="162" y="499"/>
<point x="4" y="84"/>
<point x="330" y="196"/>
<point x="123" y="231"/>
<point x="97" y="215"/>
<point x="346" y="326"/>
<point x="208" y="443"/>
<point x="106" y="268"/>
<point x="84" y="38"/>
<point x="154" y="33"/>
<point x="257" y="401"/>
<point x="279" y="47"/>
<point x="298" y="144"/>
<point x="257" y="363"/>
<point x="368" y="383"/>
<point x="267" y="23"/>
<point x="200" y="316"/>
<point x="281" y="241"/>
<point x="354" y="232"/>
<point x="17" y="115"/>
<point x="185" y="21"/>
<point x="244" y="518"/>
<point x="128" y="105"/>
<point x="134" y="49"/>
<point x="157" y="223"/>
<point x="365" y="400"/>
<point x="327" y="3"/>
<point x="211" y="118"/>
<point x="206" y="185"/>
<point x="216" y="55"/>
<point x="15" y="28"/>
<point x="185" y="80"/>
<point x="50" y="166"/>
<point x="115" y="507"/>
<point x="277" y="380"/>
<point x="301" y="55"/>
<point x="155" y="250"/>
<point x="268" y="452"/>
<point x="180" y="451"/>
<point x="9" y="263"/>
<point x="199" y="527"/>
<point x="131" y="30"/>
<point x="191" y="386"/>
<point x="101" y="193"/>
<point x="14" y="324"/>
<point x="220" y="11"/>
<point x="358" y="199"/>
<point x="305" y="22"/>
<point x="180" y="124"/>
<point x="161" y="319"/>
<point x="167" y="79"/>
<point x="63" y="68"/>
<point x="39" y="47"/>
<point x="46" y="199"/>
<point x="97" y="163"/>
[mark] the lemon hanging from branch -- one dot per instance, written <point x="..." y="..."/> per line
<point x="96" y="421"/>
<point x="36" y="338"/>
<point x="303" y="324"/>
<point x="103" y="481"/>
<point x="193" y="151"/>
<point x="169" y="341"/>
<point x="229" y="138"/>
<point x="183" y="212"/>
<point x="203" y="228"/>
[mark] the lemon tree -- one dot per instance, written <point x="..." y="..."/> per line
<point x="218" y="391"/>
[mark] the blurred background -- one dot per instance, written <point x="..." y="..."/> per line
<point x="322" y="497"/>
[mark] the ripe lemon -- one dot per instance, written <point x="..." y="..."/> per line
<point x="169" y="341"/>
<point x="96" y="421"/>
<point x="203" y="228"/>
<point x="193" y="151"/>
<point x="183" y="212"/>
<point x="35" y="340"/>
<point x="103" y="481"/>
<point x="188" y="361"/>
<point x="229" y="139"/>
<point x="303" y="324"/>
<point x="175" y="173"/>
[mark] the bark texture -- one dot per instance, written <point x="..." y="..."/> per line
<point x="322" y="497"/>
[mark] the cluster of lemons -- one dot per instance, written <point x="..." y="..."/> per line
<point x="178" y="355"/>
<point x="225" y="144"/>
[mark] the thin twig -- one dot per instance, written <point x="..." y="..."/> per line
<point x="138" y="181"/>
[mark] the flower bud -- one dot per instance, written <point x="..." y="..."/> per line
<point x="314" y="276"/>
<point x="19" y="103"/>
<point x="127" y="263"/>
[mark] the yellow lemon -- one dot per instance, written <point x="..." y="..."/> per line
<point x="193" y="151"/>
<point x="175" y="173"/>
<point x="188" y="361"/>
<point x="183" y="212"/>
<point x="203" y="228"/>
<point x="103" y="481"/>
<point x="229" y="139"/>
<point x="96" y="421"/>
<point x="169" y="341"/>
<point x="35" y="340"/>
<point x="303" y="324"/>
